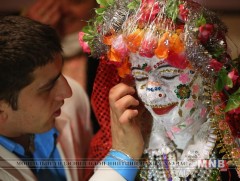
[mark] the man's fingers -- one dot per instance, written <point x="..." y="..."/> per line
<point x="124" y="103"/>
<point x="128" y="116"/>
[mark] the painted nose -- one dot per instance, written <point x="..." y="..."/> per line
<point x="154" y="90"/>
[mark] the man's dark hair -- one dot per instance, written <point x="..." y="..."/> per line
<point x="24" y="46"/>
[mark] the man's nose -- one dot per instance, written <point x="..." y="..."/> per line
<point x="64" y="90"/>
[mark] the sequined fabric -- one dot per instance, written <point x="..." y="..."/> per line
<point x="106" y="78"/>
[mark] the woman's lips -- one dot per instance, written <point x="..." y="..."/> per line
<point x="163" y="109"/>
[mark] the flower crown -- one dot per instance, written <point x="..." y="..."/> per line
<point x="181" y="32"/>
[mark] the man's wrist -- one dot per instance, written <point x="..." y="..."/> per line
<point x="122" y="163"/>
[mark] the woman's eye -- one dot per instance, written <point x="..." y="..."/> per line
<point x="141" y="78"/>
<point x="169" y="77"/>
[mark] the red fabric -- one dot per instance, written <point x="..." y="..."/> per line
<point x="106" y="78"/>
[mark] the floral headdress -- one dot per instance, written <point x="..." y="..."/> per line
<point x="185" y="35"/>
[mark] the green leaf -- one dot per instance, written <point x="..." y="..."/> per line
<point x="219" y="85"/>
<point x="223" y="80"/>
<point x="228" y="82"/>
<point x="110" y="2"/>
<point x="99" y="19"/>
<point x="192" y="111"/>
<point x="88" y="29"/>
<point x="233" y="101"/>
<point x="100" y="11"/>
<point x="132" y="5"/>
<point x="88" y="38"/>
<point x="201" y="21"/>
<point x="103" y="3"/>
<point x="172" y="9"/>
<point x="218" y="52"/>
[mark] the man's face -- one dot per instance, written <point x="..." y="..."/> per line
<point x="39" y="103"/>
<point x="169" y="93"/>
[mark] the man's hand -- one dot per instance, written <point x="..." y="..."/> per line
<point x="126" y="132"/>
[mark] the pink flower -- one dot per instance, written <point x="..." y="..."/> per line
<point x="189" y="104"/>
<point x="203" y="112"/>
<point x="148" y="45"/>
<point x="205" y="32"/>
<point x="170" y="135"/>
<point x="148" y="10"/>
<point x="215" y="96"/>
<point x="175" y="129"/>
<point x="120" y="47"/>
<point x="189" y="121"/>
<point x="195" y="89"/>
<point x="223" y="125"/>
<point x="233" y="75"/>
<point x="216" y="65"/>
<point x="219" y="109"/>
<point x="83" y="44"/>
<point x="228" y="139"/>
<point x="184" y="78"/>
<point x="183" y="12"/>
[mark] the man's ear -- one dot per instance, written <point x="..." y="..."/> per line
<point x="3" y="112"/>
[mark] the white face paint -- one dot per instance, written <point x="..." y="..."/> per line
<point x="172" y="97"/>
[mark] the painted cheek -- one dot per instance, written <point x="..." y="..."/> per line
<point x="184" y="78"/>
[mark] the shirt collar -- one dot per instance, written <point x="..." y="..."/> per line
<point x="44" y="144"/>
<point x="11" y="146"/>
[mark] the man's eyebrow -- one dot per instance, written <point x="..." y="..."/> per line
<point x="50" y="82"/>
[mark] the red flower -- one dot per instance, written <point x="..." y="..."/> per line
<point x="148" y="45"/>
<point x="205" y="32"/>
<point x="216" y="65"/>
<point x="177" y="60"/>
<point x="148" y="10"/>
<point x="183" y="12"/>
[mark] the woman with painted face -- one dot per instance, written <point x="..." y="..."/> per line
<point x="177" y="53"/>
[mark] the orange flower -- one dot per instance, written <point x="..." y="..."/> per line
<point x="114" y="56"/>
<point x="107" y="39"/>
<point x="134" y="39"/>
<point x="176" y="43"/>
<point x="124" y="69"/>
<point x="162" y="49"/>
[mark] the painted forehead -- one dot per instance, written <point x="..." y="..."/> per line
<point x="138" y="61"/>
<point x="149" y="64"/>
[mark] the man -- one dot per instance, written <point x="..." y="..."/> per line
<point x="35" y="124"/>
